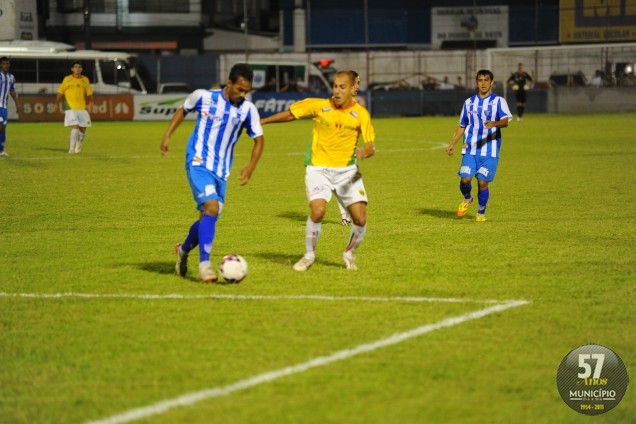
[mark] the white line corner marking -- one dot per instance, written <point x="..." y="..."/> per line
<point x="194" y="397"/>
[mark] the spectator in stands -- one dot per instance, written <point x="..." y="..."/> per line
<point x="460" y="84"/>
<point x="445" y="85"/>
<point x="270" y="86"/>
<point x="597" y="80"/>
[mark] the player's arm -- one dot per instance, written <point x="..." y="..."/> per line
<point x="285" y="116"/>
<point x="14" y="95"/>
<point x="502" y="123"/>
<point x="367" y="152"/>
<point x="58" y="98"/>
<point x="176" y="120"/>
<point x="459" y="133"/>
<point x="257" y="151"/>
<point x="89" y="103"/>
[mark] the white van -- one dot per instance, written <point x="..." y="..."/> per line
<point x="285" y="77"/>
<point x="40" y="66"/>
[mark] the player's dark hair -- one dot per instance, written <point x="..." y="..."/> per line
<point x="241" y="70"/>
<point x="4" y="59"/>
<point x="485" y="72"/>
<point x="354" y="75"/>
<point x="76" y="62"/>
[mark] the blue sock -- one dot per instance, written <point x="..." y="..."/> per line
<point x="193" y="238"/>
<point x="3" y="137"/>
<point x="207" y="230"/>
<point x="465" y="189"/>
<point x="483" y="199"/>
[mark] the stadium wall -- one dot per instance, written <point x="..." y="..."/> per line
<point x="379" y="103"/>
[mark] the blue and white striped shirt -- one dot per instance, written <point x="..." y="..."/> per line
<point x="7" y="83"/>
<point x="480" y="140"/>
<point x="218" y="128"/>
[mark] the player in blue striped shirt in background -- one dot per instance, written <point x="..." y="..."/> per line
<point x="223" y="115"/>
<point x="7" y="87"/>
<point x="482" y="117"/>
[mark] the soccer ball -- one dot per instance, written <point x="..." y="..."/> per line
<point x="233" y="268"/>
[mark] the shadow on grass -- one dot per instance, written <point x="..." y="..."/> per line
<point x="289" y="260"/>
<point x="52" y="149"/>
<point x="440" y="213"/>
<point x="167" y="268"/>
<point x="294" y="216"/>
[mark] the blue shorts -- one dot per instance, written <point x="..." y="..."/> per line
<point x="4" y="116"/>
<point x="205" y="185"/>
<point x="484" y="167"/>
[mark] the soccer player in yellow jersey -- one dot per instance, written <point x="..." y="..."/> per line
<point x="338" y="123"/>
<point x="77" y="91"/>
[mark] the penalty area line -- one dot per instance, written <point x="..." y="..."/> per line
<point x="194" y="397"/>
<point x="249" y="297"/>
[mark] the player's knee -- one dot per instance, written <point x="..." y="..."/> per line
<point x="211" y="208"/>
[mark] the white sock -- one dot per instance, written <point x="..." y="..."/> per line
<point x="74" y="135"/>
<point x="82" y="136"/>
<point x="357" y="234"/>
<point x="312" y="231"/>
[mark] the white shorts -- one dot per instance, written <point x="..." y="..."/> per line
<point x="77" y="117"/>
<point x="322" y="181"/>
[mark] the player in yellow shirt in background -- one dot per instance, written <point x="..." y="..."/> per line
<point x="338" y="122"/>
<point x="77" y="91"/>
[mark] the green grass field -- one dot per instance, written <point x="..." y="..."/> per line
<point x="560" y="235"/>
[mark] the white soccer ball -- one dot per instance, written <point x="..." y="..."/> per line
<point x="233" y="268"/>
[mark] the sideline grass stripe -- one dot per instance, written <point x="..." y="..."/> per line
<point x="252" y="297"/>
<point x="194" y="397"/>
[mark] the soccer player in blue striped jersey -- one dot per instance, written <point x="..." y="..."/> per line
<point x="482" y="118"/>
<point x="223" y="115"/>
<point x="7" y="88"/>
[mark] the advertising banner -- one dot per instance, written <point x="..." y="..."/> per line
<point x="465" y="24"/>
<point x="105" y="108"/>
<point x="591" y="21"/>
<point x="159" y="107"/>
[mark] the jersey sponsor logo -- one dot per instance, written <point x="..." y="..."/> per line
<point x="355" y="115"/>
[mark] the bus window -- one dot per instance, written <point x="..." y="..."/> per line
<point x="24" y="70"/>
<point x="141" y="80"/>
<point x="115" y="72"/>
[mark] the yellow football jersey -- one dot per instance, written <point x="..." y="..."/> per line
<point x="336" y="131"/>
<point x="75" y="91"/>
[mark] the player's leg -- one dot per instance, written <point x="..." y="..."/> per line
<point x="4" y="115"/>
<point x="70" y="120"/>
<point x="318" y="189"/>
<point x="183" y="249"/>
<point x="84" y="122"/>
<point x="466" y="172"/>
<point x="485" y="174"/>
<point x="521" y="104"/>
<point x="3" y="140"/>
<point x="482" y="198"/>
<point x="80" y="139"/>
<point x="344" y="214"/>
<point x="207" y="232"/>
<point x="352" y="192"/>
<point x="209" y="194"/>
<point x="358" y="230"/>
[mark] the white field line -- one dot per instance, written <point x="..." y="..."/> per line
<point x="250" y="297"/>
<point x="194" y="397"/>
